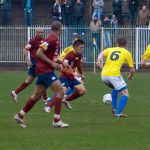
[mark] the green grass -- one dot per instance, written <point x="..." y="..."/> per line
<point x="92" y="126"/>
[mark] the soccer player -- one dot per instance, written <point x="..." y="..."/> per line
<point x="68" y="79"/>
<point x="111" y="76"/>
<point x="46" y="63"/>
<point x="145" y="57"/>
<point x="32" y="48"/>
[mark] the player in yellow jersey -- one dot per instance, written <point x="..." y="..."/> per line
<point x="146" y="56"/>
<point x="111" y="76"/>
<point x="66" y="51"/>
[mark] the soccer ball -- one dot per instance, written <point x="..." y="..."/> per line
<point x="107" y="99"/>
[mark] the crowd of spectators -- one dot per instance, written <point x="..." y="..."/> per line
<point x="72" y="12"/>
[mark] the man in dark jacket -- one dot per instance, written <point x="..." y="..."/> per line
<point x="28" y="6"/>
<point x="5" y="7"/>
<point x="117" y="10"/>
<point x="68" y="12"/>
<point x="57" y="11"/>
<point x="133" y="9"/>
<point x="79" y="10"/>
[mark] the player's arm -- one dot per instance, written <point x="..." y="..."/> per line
<point x="129" y="61"/>
<point x="100" y="60"/>
<point x="26" y="51"/>
<point x="145" y="57"/>
<point x="132" y="71"/>
<point x="80" y="70"/>
<point x="40" y="54"/>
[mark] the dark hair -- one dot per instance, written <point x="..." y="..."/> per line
<point x="121" y="42"/>
<point x="78" y="42"/>
<point x="56" y="25"/>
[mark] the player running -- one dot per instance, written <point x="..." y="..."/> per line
<point x="111" y="76"/>
<point x="32" y="48"/>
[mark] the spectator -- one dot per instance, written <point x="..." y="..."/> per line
<point x="28" y="6"/>
<point x="143" y="16"/>
<point x="57" y="11"/>
<point x="68" y="11"/>
<point x="98" y="8"/>
<point x="5" y="7"/>
<point x="107" y="37"/>
<point x="79" y="10"/>
<point x="133" y="9"/>
<point x="95" y="27"/>
<point x="117" y="10"/>
<point x="114" y="21"/>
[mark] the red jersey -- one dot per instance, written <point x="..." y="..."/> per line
<point x="51" y="48"/>
<point x="74" y="61"/>
<point x="33" y="46"/>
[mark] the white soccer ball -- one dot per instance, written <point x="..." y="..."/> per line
<point x="107" y="99"/>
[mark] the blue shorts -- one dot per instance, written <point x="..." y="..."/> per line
<point x="31" y="71"/>
<point x="46" y="79"/>
<point x="69" y="83"/>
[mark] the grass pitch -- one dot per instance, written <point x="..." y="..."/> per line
<point x="92" y="126"/>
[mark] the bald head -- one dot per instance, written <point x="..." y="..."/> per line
<point x="39" y="32"/>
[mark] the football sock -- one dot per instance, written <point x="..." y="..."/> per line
<point x="114" y="96"/>
<point x="54" y="101"/>
<point x="21" y="87"/>
<point x="73" y="96"/>
<point x="122" y="104"/>
<point x="57" y="108"/>
<point x="29" y="104"/>
<point x="56" y="117"/>
<point x="70" y="91"/>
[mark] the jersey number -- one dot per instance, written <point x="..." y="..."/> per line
<point x="115" y="55"/>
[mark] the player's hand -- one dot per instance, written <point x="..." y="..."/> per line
<point x="56" y="65"/>
<point x="29" y="64"/>
<point x="130" y="77"/>
<point x="98" y="64"/>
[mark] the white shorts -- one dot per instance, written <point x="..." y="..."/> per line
<point x="115" y="82"/>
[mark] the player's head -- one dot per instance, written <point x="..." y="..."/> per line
<point x="39" y="32"/>
<point x="56" y="26"/>
<point x="78" y="46"/>
<point x="121" y="42"/>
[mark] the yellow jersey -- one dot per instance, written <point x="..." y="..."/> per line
<point x="66" y="51"/>
<point x="115" y="58"/>
<point x="146" y="55"/>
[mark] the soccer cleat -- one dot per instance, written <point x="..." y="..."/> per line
<point x="60" y="124"/>
<point x="67" y="104"/>
<point x="120" y="115"/>
<point x="14" y="96"/>
<point x="19" y="121"/>
<point x="47" y="109"/>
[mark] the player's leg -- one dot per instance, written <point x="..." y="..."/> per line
<point x="114" y="96"/>
<point x="21" y="87"/>
<point x="19" y="118"/>
<point x="120" y="86"/>
<point x="80" y="91"/>
<point x="122" y="103"/>
<point x="31" y="76"/>
<point x="55" y="85"/>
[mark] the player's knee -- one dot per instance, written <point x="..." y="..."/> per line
<point x="60" y="92"/>
<point x="82" y="91"/>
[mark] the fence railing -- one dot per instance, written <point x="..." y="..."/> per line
<point x="14" y="38"/>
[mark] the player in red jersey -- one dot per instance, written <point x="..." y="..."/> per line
<point x="46" y="63"/>
<point x="32" y="48"/>
<point x="68" y="78"/>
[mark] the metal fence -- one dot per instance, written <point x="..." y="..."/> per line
<point x="14" y="38"/>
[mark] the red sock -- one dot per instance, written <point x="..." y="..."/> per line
<point x="29" y="104"/>
<point x="21" y="87"/>
<point x="56" y="117"/>
<point x="54" y="101"/>
<point x="73" y="96"/>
